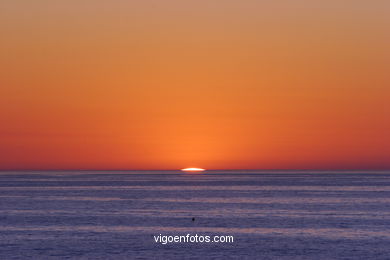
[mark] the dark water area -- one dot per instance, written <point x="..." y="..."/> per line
<point x="270" y="214"/>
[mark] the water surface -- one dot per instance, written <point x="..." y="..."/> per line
<point x="272" y="215"/>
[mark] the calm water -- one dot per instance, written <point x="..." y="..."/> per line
<point x="272" y="215"/>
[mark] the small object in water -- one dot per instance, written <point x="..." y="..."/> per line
<point x="193" y="219"/>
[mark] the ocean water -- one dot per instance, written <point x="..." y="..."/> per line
<point x="270" y="214"/>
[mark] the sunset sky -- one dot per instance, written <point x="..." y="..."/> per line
<point x="193" y="83"/>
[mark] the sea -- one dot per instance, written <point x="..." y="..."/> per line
<point x="265" y="214"/>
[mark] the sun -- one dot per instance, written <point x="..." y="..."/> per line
<point x="193" y="170"/>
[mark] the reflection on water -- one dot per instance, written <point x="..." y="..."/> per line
<point x="278" y="215"/>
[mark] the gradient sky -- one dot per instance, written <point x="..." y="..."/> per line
<point x="215" y="84"/>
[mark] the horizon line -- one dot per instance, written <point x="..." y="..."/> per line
<point x="252" y="169"/>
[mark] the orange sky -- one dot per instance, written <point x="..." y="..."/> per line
<point x="214" y="84"/>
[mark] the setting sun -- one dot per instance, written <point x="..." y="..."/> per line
<point x="193" y="170"/>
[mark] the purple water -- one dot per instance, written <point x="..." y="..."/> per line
<point x="272" y="215"/>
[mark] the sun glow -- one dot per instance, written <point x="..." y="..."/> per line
<point x="193" y="170"/>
